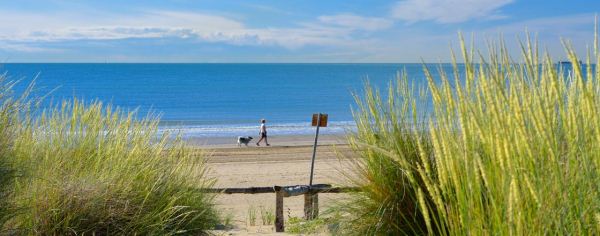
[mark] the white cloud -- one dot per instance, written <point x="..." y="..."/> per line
<point x="561" y="26"/>
<point x="434" y="46"/>
<point x="24" y="48"/>
<point x="154" y="24"/>
<point x="27" y="21"/>
<point x="448" y="11"/>
<point x="577" y="29"/>
<point x="18" y="28"/>
<point x="28" y="32"/>
<point x="357" y="22"/>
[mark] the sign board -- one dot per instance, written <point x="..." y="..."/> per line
<point x="315" y="118"/>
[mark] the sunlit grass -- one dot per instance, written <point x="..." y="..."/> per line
<point x="11" y="107"/>
<point x="87" y="168"/>
<point x="508" y="148"/>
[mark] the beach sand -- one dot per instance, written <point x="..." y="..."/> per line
<point x="285" y="162"/>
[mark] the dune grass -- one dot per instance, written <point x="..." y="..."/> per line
<point x="11" y="107"/>
<point x="88" y="168"/>
<point x="387" y="143"/>
<point x="507" y="149"/>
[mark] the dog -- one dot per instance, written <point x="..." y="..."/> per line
<point x="243" y="139"/>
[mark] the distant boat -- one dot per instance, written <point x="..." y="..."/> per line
<point x="564" y="62"/>
<point x="569" y="63"/>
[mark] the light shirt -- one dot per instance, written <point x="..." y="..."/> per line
<point x="263" y="128"/>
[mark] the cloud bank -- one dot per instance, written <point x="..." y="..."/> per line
<point x="22" y="28"/>
<point x="340" y="36"/>
<point x="448" y="11"/>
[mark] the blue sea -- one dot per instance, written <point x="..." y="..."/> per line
<point x="219" y="100"/>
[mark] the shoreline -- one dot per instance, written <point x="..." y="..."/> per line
<point x="275" y="141"/>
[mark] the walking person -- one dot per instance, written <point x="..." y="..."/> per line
<point x="263" y="133"/>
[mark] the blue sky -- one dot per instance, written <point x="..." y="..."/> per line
<point x="280" y="31"/>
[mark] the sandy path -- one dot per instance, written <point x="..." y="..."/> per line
<point x="269" y="166"/>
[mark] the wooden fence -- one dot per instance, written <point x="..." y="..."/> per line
<point x="311" y="197"/>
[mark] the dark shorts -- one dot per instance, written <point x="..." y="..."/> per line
<point x="263" y="135"/>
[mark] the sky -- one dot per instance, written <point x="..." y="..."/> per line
<point x="305" y="31"/>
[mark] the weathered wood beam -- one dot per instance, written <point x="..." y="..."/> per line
<point x="291" y="190"/>
<point x="251" y="190"/>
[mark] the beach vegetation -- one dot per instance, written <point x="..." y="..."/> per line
<point x="498" y="146"/>
<point x="89" y="168"/>
<point x="11" y="107"/>
<point x="266" y="215"/>
<point x="251" y="215"/>
<point x="297" y="225"/>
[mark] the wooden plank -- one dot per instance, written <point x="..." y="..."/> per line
<point x="291" y="191"/>
<point x="279" y="220"/>
<point x="302" y="189"/>
<point x="336" y="190"/>
<point x="251" y="190"/>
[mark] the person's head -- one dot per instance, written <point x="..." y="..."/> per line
<point x="263" y="121"/>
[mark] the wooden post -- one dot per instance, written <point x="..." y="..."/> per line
<point x="315" y="205"/>
<point x="279" y="220"/>
<point x="311" y="205"/>
<point x="307" y="206"/>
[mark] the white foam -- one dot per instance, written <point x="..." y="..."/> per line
<point x="303" y="128"/>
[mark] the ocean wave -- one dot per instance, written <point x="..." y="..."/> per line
<point x="232" y="130"/>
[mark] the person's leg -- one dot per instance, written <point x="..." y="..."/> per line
<point x="261" y="138"/>
<point x="267" y="141"/>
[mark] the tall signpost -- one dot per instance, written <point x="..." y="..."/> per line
<point x="311" y="199"/>
<point x="318" y="120"/>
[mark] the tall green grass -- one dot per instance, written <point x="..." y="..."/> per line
<point x="87" y="168"/>
<point x="387" y="140"/>
<point x="11" y="107"/>
<point x="509" y="148"/>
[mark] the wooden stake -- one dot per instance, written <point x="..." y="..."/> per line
<point x="279" y="220"/>
<point x="311" y="206"/>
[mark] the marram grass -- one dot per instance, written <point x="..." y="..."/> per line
<point x="89" y="169"/>
<point x="10" y="109"/>
<point x="508" y="149"/>
<point x="387" y="144"/>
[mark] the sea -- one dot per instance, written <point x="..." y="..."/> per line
<point x="218" y="100"/>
